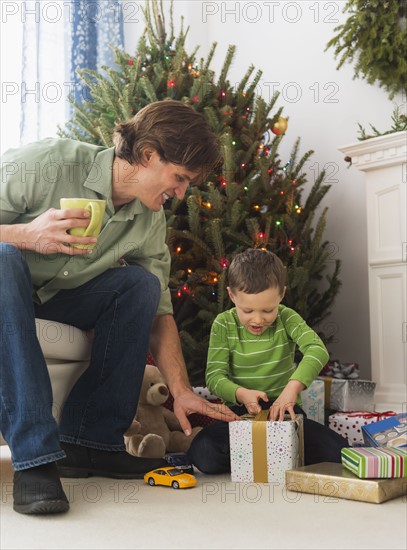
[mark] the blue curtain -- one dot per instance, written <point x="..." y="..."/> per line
<point x="94" y="25"/>
<point x="59" y="38"/>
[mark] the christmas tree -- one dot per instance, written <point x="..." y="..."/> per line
<point x="255" y="202"/>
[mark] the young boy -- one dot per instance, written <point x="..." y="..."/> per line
<point x="251" y="361"/>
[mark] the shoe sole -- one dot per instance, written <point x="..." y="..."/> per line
<point x="86" y="472"/>
<point x="42" y="507"/>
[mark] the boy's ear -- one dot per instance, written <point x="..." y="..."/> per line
<point x="230" y="294"/>
<point x="283" y="293"/>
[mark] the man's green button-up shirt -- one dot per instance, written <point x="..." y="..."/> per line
<point x="35" y="177"/>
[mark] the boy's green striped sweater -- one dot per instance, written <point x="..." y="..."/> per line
<point x="237" y="358"/>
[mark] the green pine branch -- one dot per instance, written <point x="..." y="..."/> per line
<point x="374" y="38"/>
<point x="399" y="124"/>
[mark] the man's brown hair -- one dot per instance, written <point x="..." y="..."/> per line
<point x="178" y="133"/>
<point x="256" y="270"/>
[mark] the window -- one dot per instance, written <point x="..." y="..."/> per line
<point x="33" y="78"/>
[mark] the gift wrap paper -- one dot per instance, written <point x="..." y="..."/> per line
<point x="335" y="481"/>
<point x="349" y="424"/>
<point x="313" y="401"/>
<point x="368" y="462"/>
<point x="349" y="395"/>
<point x="390" y="432"/>
<point x="261" y="450"/>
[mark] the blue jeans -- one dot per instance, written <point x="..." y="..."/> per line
<point x="120" y="306"/>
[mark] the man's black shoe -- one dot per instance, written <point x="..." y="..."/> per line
<point x="38" y="490"/>
<point x="84" y="462"/>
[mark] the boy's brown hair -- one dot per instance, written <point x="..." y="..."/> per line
<point x="178" y="133"/>
<point x="256" y="270"/>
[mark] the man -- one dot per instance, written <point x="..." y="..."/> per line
<point x="119" y="289"/>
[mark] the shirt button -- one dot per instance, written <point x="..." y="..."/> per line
<point x="66" y="273"/>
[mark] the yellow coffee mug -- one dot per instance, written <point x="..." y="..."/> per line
<point x="96" y="209"/>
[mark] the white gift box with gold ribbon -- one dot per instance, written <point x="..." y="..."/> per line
<point x="262" y="450"/>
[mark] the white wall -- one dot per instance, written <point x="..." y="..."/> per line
<point x="286" y="40"/>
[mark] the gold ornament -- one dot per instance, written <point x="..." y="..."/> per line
<point x="280" y="126"/>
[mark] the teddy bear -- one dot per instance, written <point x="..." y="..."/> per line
<point x="155" y="429"/>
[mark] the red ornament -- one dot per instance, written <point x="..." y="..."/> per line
<point x="130" y="62"/>
<point x="171" y="84"/>
<point x="224" y="262"/>
<point x="195" y="99"/>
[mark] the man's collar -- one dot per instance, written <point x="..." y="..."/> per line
<point x="130" y="210"/>
<point x="99" y="178"/>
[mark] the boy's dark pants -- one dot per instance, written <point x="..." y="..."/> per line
<point x="210" y="451"/>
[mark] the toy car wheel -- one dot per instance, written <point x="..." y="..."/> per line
<point x="175" y="485"/>
<point x="151" y="481"/>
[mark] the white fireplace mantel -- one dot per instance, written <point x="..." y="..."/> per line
<point x="378" y="152"/>
<point x="383" y="159"/>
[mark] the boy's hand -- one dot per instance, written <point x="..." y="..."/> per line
<point x="250" y="399"/>
<point x="286" y="400"/>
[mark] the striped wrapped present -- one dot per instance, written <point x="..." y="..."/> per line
<point x="374" y="462"/>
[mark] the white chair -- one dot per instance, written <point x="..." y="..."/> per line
<point x="67" y="352"/>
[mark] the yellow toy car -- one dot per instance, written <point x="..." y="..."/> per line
<point x="170" y="477"/>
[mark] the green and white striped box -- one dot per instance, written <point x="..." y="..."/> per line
<point x="374" y="462"/>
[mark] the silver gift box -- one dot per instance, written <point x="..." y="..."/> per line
<point x="352" y="395"/>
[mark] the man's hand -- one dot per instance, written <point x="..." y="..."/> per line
<point x="188" y="402"/>
<point x="48" y="234"/>
<point x="285" y="401"/>
<point x="250" y="399"/>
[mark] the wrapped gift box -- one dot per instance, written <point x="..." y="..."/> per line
<point x="349" y="423"/>
<point x="262" y="450"/>
<point x="390" y="432"/>
<point x="376" y="462"/>
<point x="335" y="481"/>
<point x="313" y="401"/>
<point x="349" y="395"/>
